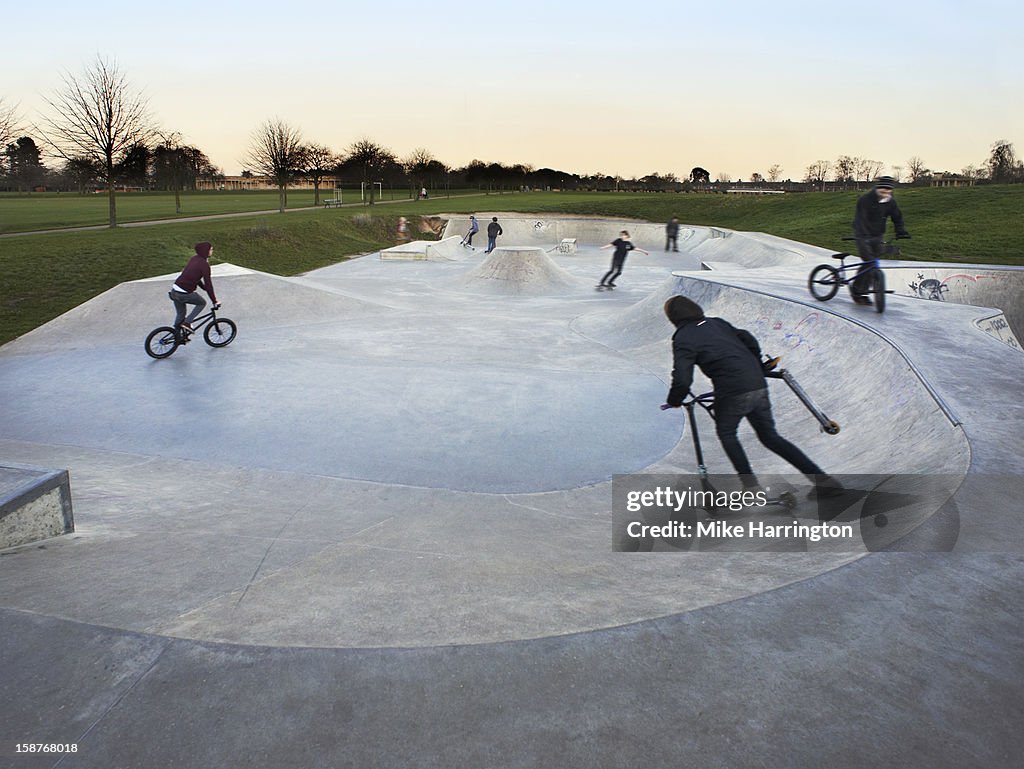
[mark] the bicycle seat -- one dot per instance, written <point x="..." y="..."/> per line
<point x="840" y="256"/>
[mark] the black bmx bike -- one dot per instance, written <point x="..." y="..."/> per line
<point x="825" y="280"/>
<point x="218" y="332"/>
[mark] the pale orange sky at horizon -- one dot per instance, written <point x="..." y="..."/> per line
<point x="620" y="89"/>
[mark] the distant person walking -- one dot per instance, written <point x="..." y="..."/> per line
<point x="672" y="234"/>
<point x="474" y="228"/>
<point x="622" y="245"/>
<point x="403" y="230"/>
<point x="493" y="231"/>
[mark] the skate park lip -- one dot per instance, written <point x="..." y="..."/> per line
<point x="391" y="455"/>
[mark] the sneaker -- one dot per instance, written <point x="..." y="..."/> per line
<point x="861" y="299"/>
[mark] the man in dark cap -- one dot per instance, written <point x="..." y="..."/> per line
<point x="873" y="208"/>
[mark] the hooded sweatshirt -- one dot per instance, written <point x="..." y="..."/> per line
<point x="197" y="272"/>
<point x="728" y="356"/>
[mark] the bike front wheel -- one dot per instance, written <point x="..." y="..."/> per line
<point x="161" y="342"/>
<point x="220" y="333"/>
<point x="824" y="282"/>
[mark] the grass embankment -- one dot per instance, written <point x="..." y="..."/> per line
<point x="42" y="276"/>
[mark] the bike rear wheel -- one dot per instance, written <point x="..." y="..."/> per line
<point x="824" y="282"/>
<point x="220" y="333"/>
<point x="878" y="289"/>
<point x="161" y="342"/>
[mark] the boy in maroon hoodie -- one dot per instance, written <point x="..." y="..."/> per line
<point x="195" y="275"/>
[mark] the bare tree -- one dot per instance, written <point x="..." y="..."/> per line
<point x="174" y="162"/>
<point x="417" y="165"/>
<point x="320" y="161"/>
<point x="98" y="116"/>
<point x="774" y="173"/>
<point x="369" y="160"/>
<point x="867" y="169"/>
<point x="817" y="171"/>
<point x="10" y="123"/>
<point x="845" y="168"/>
<point x="277" y="152"/>
<point x="916" y="168"/>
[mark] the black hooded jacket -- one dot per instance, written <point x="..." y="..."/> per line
<point x="728" y="356"/>
<point x="869" y="221"/>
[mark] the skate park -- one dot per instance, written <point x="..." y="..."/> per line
<point x="387" y="503"/>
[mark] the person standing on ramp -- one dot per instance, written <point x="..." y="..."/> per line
<point x="493" y="231"/>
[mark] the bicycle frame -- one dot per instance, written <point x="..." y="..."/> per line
<point x="202" y="320"/>
<point x="844" y="268"/>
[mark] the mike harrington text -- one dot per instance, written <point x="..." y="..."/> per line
<point x="749" y="530"/>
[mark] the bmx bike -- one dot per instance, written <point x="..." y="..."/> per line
<point x="825" y="280"/>
<point x="218" y="332"/>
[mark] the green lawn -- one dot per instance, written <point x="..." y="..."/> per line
<point x="46" y="275"/>
<point x="50" y="210"/>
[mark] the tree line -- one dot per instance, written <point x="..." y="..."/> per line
<point x="1000" y="167"/>
<point x="102" y="133"/>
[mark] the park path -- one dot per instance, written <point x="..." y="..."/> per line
<point x="234" y="215"/>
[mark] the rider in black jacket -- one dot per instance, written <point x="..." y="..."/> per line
<point x="873" y="208"/>
<point x="731" y="358"/>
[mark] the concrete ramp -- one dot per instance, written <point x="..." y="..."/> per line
<point x="521" y="270"/>
<point x="822" y="350"/>
<point x="740" y="249"/>
<point x="445" y="250"/>
<point x="980" y="286"/>
<point x="546" y="232"/>
<point x="127" y="312"/>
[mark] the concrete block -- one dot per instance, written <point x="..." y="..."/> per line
<point x="35" y="503"/>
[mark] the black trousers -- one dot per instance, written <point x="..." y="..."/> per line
<point x="614" y="272"/>
<point x="755" y="406"/>
<point x="870" y="250"/>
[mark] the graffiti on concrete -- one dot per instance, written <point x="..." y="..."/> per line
<point x="997" y="327"/>
<point x="792" y="338"/>
<point x="928" y="288"/>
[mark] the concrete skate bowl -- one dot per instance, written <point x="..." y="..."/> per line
<point x="519" y="271"/>
<point x="546" y="231"/>
<point x="405" y="478"/>
<point x="751" y="249"/>
<point x="890" y="421"/>
<point x="1000" y="288"/>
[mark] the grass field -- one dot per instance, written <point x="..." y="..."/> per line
<point x="26" y="212"/>
<point x="42" y="276"/>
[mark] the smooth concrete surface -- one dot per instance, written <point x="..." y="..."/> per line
<point x="376" y="531"/>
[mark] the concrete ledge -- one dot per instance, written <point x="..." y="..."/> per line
<point x="35" y="503"/>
